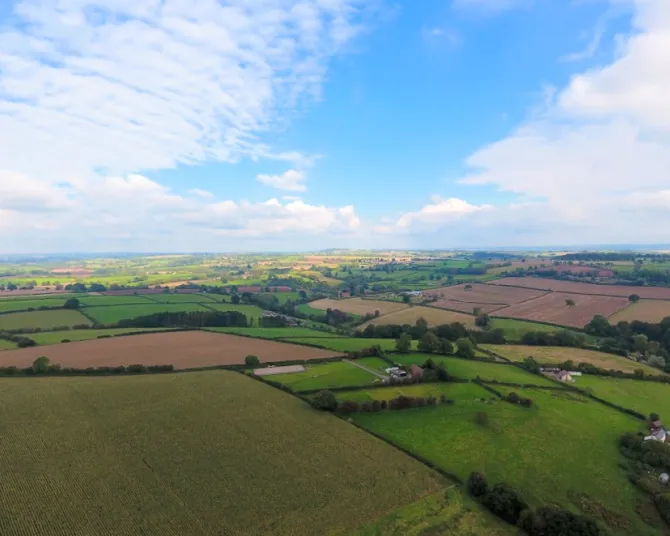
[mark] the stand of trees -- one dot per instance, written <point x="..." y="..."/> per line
<point x="183" y="319"/>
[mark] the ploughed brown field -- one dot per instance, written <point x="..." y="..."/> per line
<point x="184" y="349"/>
<point x="650" y="293"/>
<point x="552" y="308"/>
<point x="433" y="316"/>
<point x="488" y="298"/>
<point x="358" y="306"/>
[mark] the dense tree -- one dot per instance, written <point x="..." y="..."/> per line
<point x="633" y="298"/>
<point x="569" y="302"/>
<point x="252" y="361"/>
<point x="406" y="298"/>
<point x="41" y="365"/>
<point x="325" y="401"/>
<point x="72" y="303"/>
<point x="235" y="299"/>
<point x="504" y="502"/>
<point x="465" y="348"/>
<point x="404" y="343"/>
<point x="477" y="485"/>
<point x="483" y="321"/>
<point x="429" y="343"/>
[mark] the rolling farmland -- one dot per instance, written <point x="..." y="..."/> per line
<point x="653" y="293"/>
<point x="278" y="333"/>
<point x="138" y="455"/>
<point x="432" y="315"/>
<point x="645" y="310"/>
<point x="186" y="349"/>
<point x="23" y="305"/>
<point x="484" y="296"/>
<point x="55" y="337"/>
<point x="325" y="375"/>
<point x="359" y="306"/>
<point x="250" y="311"/>
<point x="42" y="319"/>
<point x="113" y="313"/>
<point x="552" y="308"/>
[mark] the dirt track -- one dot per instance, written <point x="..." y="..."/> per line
<point x="185" y="349"/>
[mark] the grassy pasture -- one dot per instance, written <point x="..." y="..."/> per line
<point x="515" y="329"/>
<point x="28" y="297"/>
<point x="138" y="455"/>
<point x="470" y="369"/>
<point x="460" y="392"/>
<point x="279" y="333"/>
<point x="325" y="375"/>
<point x="553" y="354"/>
<point x="311" y="311"/>
<point x="374" y="363"/>
<point x="93" y="301"/>
<point x="645" y="397"/>
<point x="645" y="310"/>
<point x="182" y="298"/>
<point x="114" y="313"/>
<point x="42" y="319"/>
<point x="522" y="446"/>
<point x="55" y="337"/>
<point x="251" y="311"/>
<point x="22" y="305"/>
<point x="350" y="344"/>
<point x="6" y="345"/>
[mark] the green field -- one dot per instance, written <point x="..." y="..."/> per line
<point x="515" y="329"/>
<point x="278" y="333"/>
<point x="325" y="375"/>
<point x="470" y="369"/>
<point x="55" y="337"/>
<point x="6" y="345"/>
<point x="564" y="445"/>
<point x="645" y="397"/>
<point x="22" y="305"/>
<point x="138" y="455"/>
<point x="468" y="393"/>
<point x="28" y="297"/>
<point x="181" y="298"/>
<point x="311" y="311"/>
<point x="42" y="319"/>
<point x="92" y="301"/>
<point x="349" y="344"/>
<point x="113" y="313"/>
<point x="374" y="363"/>
<point x="251" y="311"/>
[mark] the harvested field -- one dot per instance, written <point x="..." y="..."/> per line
<point x="432" y="315"/>
<point x="37" y="291"/>
<point x="272" y="371"/>
<point x="192" y="454"/>
<point x="186" y="349"/>
<point x="42" y="319"/>
<point x="358" y="306"/>
<point x="650" y="293"/>
<point x="645" y="310"/>
<point x="552" y="308"/>
<point x="547" y="355"/>
<point x="488" y="298"/>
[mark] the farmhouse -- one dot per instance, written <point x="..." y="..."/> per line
<point x="416" y="371"/>
<point x="561" y="375"/>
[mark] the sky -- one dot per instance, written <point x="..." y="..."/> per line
<point x="258" y="125"/>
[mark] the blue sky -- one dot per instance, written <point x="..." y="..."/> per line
<point x="305" y="124"/>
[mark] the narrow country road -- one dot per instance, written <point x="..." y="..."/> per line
<point x="367" y="369"/>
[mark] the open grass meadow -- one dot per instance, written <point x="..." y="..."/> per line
<point x="547" y="355"/>
<point x="182" y="298"/>
<point x="470" y="369"/>
<point x="645" y="397"/>
<point x="93" y="301"/>
<point x="325" y="375"/>
<point x="311" y="311"/>
<point x="279" y="333"/>
<point x="515" y="329"/>
<point x="23" y="305"/>
<point x="251" y="311"/>
<point x="113" y="313"/>
<point x="42" y="319"/>
<point x="460" y="392"/>
<point x="348" y="344"/>
<point x="563" y="451"/>
<point x="374" y="363"/>
<point x="138" y="455"/>
<point x="55" y="337"/>
<point x="6" y="345"/>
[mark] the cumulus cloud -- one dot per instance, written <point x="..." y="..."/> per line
<point x="594" y="166"/>
<point x="291" y="180"/>
<point x="201" y="193"/>
<point x="127" y="86"/>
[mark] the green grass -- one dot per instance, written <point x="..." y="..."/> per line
<point x="251" y="311"/>
<point x="375" y="363"/>
<point x="645" y="397"/>
<point x="470" y="369"/>
<point x="468" y="393"/>
<point x="27" y="297"/>
<point x="325" y="375"/>
<point x="549" y="452"/>
<point x="349" y="344"/>
<point x="450" y="513"/>
<point x="42" y="319"/>
<point x="141" y="455"/>
<point x="22" y="305"/>
<point x="515" y="329"/>
<point x="6" y="345"/>
<point x="278" y="333"/>
<point x="114" y="313"/>
<point x="55" y="337"/>
<point x="307" y="310"/>
<point x="92" y="301"/>
<point x="182" y="298"/>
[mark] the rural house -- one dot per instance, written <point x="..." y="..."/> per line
<point x="416" y="371"/>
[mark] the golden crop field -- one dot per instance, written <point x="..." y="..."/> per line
<point x="645" y="310"/>
<point x="556" y="354"/>
<point x="188" y="454"/>
<point x="359" y="306"/>
<point x="433" y="316"/>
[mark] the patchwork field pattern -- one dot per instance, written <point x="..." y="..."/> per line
<point x="42" y="319"/>
<point x="547" y="355"/>
<point x="114" y="313"/>
<point x="149" y="455"/>
<point x="186" y="349"/>
<point x="72" y="335"/>
<point x="488" y="298"/>
<point x="432" y="315"/>
<point x="552" y="308"/>
<point x="358" y="306"/>
<point x="645" y="310"/>
<point x="652" y="293"/>
<point x="645" y="397"/>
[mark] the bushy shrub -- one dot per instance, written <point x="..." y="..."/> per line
<point x="552" y="521"/>
<point x="504" y="502"/>
<point x="478" y="486"/>
<point x="324" y="401"/>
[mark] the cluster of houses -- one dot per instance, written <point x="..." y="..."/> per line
<point x="397" y="373"/>
<point x="560" y="374"/>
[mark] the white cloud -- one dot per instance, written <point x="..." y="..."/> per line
<point x="89" y="85"/>
<point x="438" y="34"/>
<point x="593" y="167"/>
<point x="291" y="180"/>
<point x="201" y="193"/>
